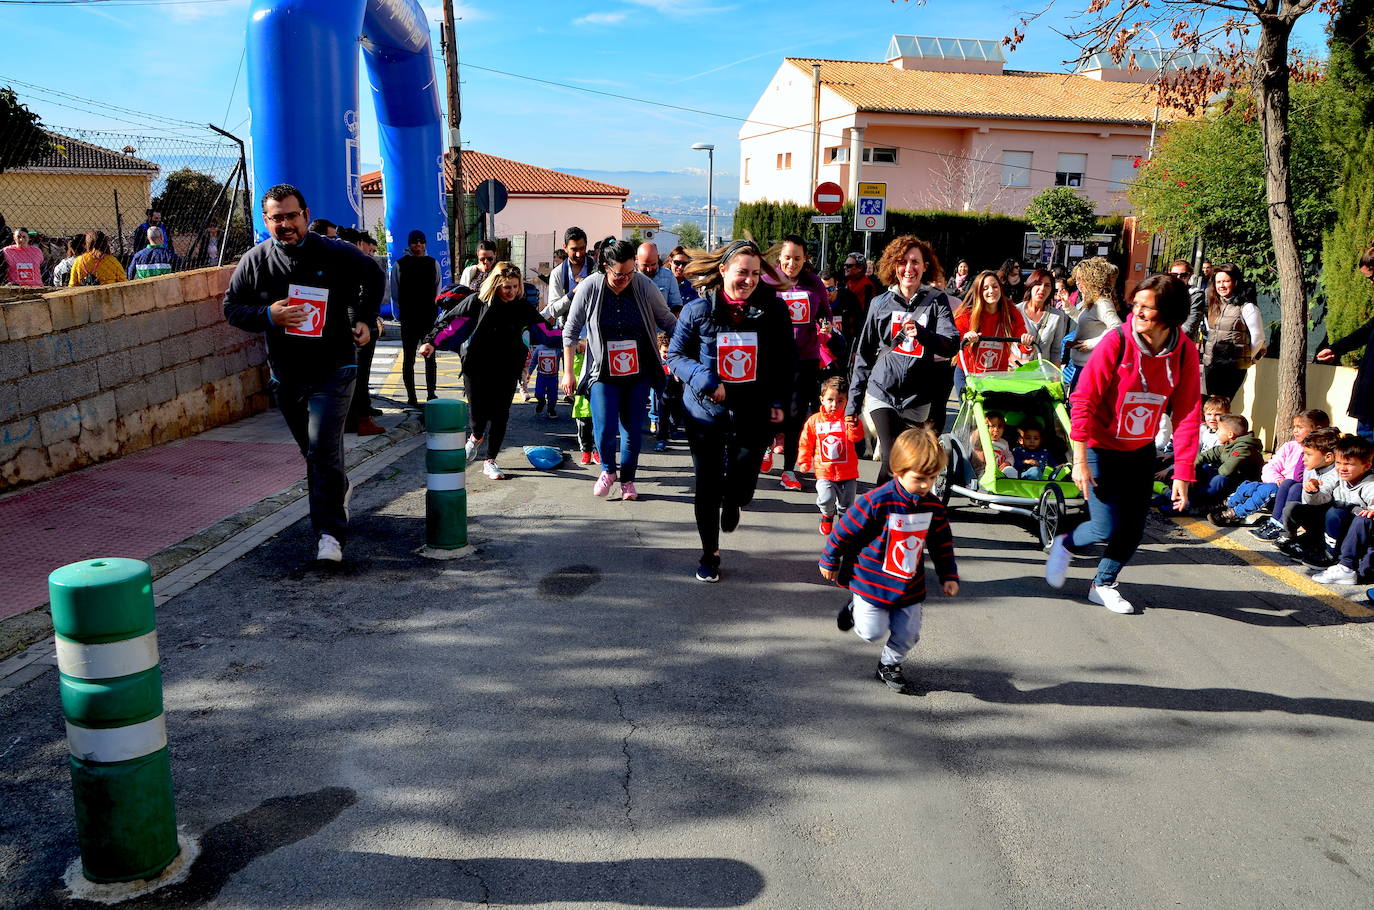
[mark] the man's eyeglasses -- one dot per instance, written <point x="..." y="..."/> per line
<point x="620" y="276"/>
<point x="282" y="218"/>
<point x="832" y="289"/>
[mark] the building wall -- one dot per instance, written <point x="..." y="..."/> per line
<point x="88" y="374"/>
<point x="939" y="159"/>
<point x="73" y="203"/>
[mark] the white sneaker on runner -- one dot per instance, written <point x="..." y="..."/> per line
<point x="471" y="447"/>
<point x="1336" y="575"/>
<point x="1057" y="564"/>
<point x="329" y="550"/>
<point x="1109" y="597"/>
<point x="490" y="469"/>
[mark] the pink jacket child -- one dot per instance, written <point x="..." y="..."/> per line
<point x="1124" y="390"/>
<point x="1285" y="465"/>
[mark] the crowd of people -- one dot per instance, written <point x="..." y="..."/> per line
<point x="32" y="259"/>
<point x="749" y="354"/>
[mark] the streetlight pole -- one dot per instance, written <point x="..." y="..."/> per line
<point x="1159" y="74"/>
<point x="710" y="151"/>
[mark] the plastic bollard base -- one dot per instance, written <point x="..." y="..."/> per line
<point x="176" y="872"/>
<point x="443" y="554"/>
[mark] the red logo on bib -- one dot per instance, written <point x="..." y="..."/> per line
<point x="548" y="363"/>
<point x="909" y="344"/>
<point x="1140" y="415"/>
<point x="737" y="356"/>
<point x="623" y="357"/>
<point x="906" y="539"/>
<point x="313" y="300"/>
<point x="798" y="306"/>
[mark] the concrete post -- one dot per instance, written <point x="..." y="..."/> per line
<point x="111" y="691"/>
<point x="446" y="496"/>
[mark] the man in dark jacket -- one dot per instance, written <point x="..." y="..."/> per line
<point x="414" y="284"/>
<point x="153" y="260"/>
<point x="316" y="299"/>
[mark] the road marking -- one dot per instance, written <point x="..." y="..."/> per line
<point x="1301" y="583"/>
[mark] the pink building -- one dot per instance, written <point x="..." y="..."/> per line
<point x="946" y="128"/>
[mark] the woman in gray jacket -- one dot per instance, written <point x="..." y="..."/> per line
<point x="622" y="312"/>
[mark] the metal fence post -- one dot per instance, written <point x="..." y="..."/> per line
<point x="446" y="496"/>
<point x="111" y="690"/>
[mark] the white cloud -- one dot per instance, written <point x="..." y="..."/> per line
<point x="600" y="19"/>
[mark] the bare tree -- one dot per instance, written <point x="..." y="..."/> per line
<point x="963" y="183"/>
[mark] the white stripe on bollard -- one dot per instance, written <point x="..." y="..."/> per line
<point x="114" y="744"/>
<point x="445" y="442"/>
<point x="107" y="661"/>
<point x="444" y="482"/>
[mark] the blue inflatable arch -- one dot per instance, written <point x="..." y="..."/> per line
<point x="303" y="100"/>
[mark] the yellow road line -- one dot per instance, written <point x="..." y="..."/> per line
<point x="1299" y="582"/>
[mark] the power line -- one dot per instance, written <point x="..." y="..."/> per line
<point x="109" y="2"/>
<point x="176" y="121"/>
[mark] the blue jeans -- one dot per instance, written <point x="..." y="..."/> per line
<point x="1117" y="507"/>
<point x="315" y="413"/>
<point x="1251" y="496"/>
<point x="1364" y="430"/>
<point x="618" y="408"/>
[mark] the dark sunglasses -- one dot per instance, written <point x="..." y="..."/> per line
<point x="682" y="262"/>
<point x="509" y="273"/>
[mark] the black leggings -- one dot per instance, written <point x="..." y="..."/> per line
<point x="806" y="396"/>
<point x="888" y="424"/>
<point x="489" y="402"/>
<point x="1224" y="379"/>
<point x="726" y="458"/>
<point x="413" y="331"/>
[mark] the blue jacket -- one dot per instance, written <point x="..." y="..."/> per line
<point x="667" y="284"/>
<point x="867" y="545"/>
<point x="693" y="348"/>
<point x="152" y="261"/>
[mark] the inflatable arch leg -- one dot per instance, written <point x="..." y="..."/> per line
<point x="303" y="98"/>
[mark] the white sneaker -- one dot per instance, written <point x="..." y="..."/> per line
<point x="1336" y="575"/>
<point x="330" y="549"/>
<point x="1057" y="564"/>
<point x="470" y="447"/>
<point x="1109" y="597"/>
<point x="490" y="469"/>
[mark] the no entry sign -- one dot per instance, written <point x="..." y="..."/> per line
<point x="828" y="198"/>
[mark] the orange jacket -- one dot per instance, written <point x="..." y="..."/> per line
<point x="828" y="440"/>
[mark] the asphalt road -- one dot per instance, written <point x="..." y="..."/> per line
<point x="566" y="718"/>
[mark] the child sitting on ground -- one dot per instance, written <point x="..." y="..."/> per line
<point x="1032" y="458"/>
<point x="1280" y="481"/>
<point x="1214" y="407"/>
<point x="1349" y="529"/>
<point x="1236" y="458"/>
<point x="827" y="441"/>
<point x="877" y="551"/>
<point x="1303" y="521"/>
<point x="1001" y="449"/>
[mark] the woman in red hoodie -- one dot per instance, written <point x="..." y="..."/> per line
<point x="1138" y="372"/>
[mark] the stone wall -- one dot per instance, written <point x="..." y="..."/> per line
<point x="92" y="373"/>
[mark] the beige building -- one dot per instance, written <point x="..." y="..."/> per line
<point x="77" y="186"/>
<point x="946" y="126"/>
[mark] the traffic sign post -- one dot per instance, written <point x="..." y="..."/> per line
<point x="828" y="200"/>
<point x="491" y="198"/>
<point x="870" y="211"/>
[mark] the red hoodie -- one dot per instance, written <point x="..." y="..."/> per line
<point x="829" y="440"/>
<point x="1123" y="391"/>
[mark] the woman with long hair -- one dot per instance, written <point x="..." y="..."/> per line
<point x="1100" y="312"/>
<point x="1049" y="323"/>
<point x="733" y="349"/>
<point x="988" y="313"/>
<point x="902" y="369"/>
<point x="97" y="265"/>
<point x="1235" y="334"/>
<point x="1141" y="372"/>
<point x="622" y="311"/>
<point x="1010" y="276"/>
<point x="492" y="356"/>
<point x="808" y="305"/>
<point x="62" y="272"/>
<point x="958" y="282"/>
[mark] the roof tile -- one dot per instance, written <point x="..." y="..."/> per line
<point x="67" y="152"/>
<point x="631" y="218"/>
<point x="519" y="178"/>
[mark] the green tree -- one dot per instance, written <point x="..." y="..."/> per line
<point x="187" y="198"/>
<point x="22" y="139"/>
<point x="1059" y="213"/>
<point x="1348" y="129"/>
<point x="636" y="236"/>
<point x="689" y="235"/>
<point x="1207" y="177"/>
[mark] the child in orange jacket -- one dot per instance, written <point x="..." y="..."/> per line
<point x="827" y="440"/>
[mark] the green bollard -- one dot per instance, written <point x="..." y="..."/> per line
<point x="446" y="496"/>
<point x="111" y="690"/>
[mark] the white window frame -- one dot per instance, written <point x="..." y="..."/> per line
<point x="1064" y="176"/>
<point x="1017" y="174"/>
<point x="870" y="152"/>
<point x="837" y="154"/>
<point x="1128" y="169"/>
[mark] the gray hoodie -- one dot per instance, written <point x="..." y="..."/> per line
<point x="1359" y="495"/>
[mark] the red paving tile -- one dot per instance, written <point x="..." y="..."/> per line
<point x="133" y="506"/>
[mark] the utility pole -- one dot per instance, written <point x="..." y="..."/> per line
<point x="457" y="235"/>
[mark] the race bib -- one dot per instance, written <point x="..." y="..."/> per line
<point x="837" y="322"/>
<point x="909" y="345"/>
<point x="987" y="357"/>
<point x="798" y="306"/>
<point x="623" y="357"/>
<point x="24" y="271"/>
<point x="832" y="441"/>
<point x="737" y="356"/>
<point x="548" y="363"/>
<point x="906" y="539"/>
<point x="314" y="301"/>
<point x="1140" y="416"/>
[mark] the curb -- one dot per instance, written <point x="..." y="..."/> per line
<point x="21" y="631"/>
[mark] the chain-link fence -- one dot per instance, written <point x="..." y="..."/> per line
<point x="64" y="182"/>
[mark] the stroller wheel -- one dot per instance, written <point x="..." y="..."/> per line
<point x="1049" y="513"/>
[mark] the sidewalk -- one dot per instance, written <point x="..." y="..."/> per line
<point x="168" y="496"/>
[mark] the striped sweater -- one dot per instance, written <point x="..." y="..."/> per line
<point x="878" y="546"/>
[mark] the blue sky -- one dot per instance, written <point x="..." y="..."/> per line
<point x="182" y="60"/>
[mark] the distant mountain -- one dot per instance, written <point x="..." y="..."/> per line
<point x="666" y="183"/>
